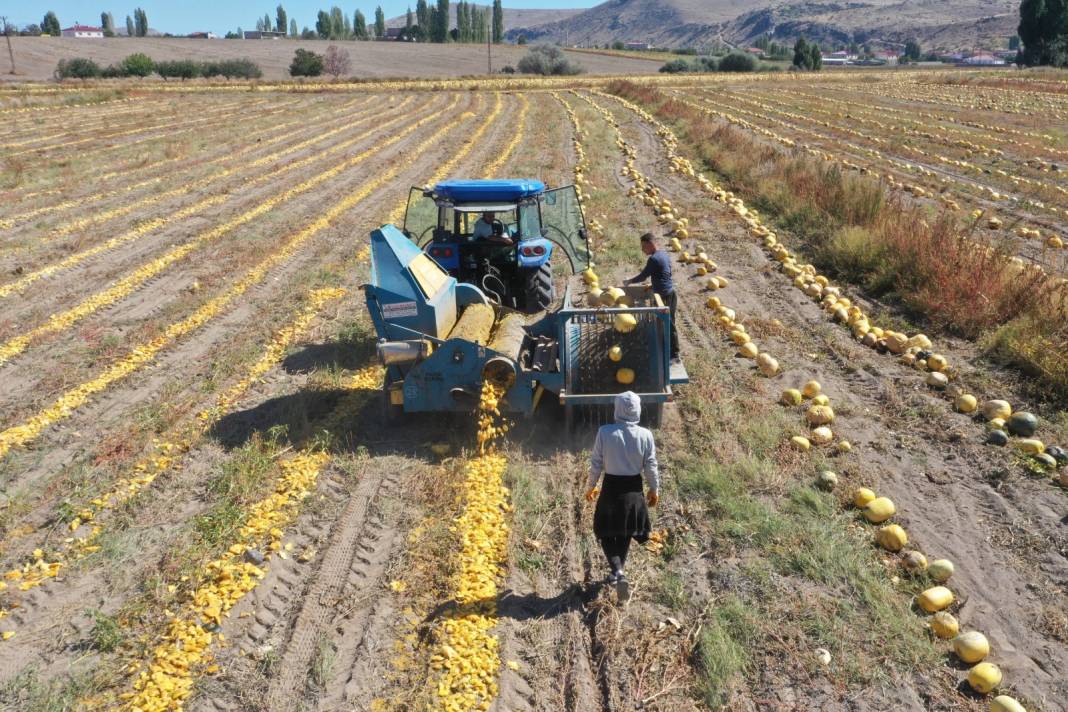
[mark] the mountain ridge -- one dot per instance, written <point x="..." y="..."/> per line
<point x="944" y="24"/>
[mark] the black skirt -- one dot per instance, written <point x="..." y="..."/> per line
<point x="621" y="509"/>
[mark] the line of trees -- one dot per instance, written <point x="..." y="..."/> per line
<point x="427" y="23"/>
<point x="807" y="55"/>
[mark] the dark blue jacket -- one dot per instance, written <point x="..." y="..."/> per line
<point x="658" y="268"/>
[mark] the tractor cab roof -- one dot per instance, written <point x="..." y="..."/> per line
<point x="488" y="194"/>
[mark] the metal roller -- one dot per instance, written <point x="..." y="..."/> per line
<point x="474" y="325"/>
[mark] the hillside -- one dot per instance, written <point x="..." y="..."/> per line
<point x="950" y="24"/>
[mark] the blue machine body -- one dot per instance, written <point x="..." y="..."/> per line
<point x="414" y="306"/>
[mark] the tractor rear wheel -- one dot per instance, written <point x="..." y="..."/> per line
<point x="539" y="290"/>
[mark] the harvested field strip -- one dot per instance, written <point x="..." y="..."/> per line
<point x="954" y="167"/>
<point x="177" y="658"/>
<point x="70" y="107"/>
<point x="1052" y="261"/>
<point x="112" y="120"/>
<point x="65" y="127"/>
<point x="154" y="224"/>
<point x="89" y="521"/>
<point x="127" y="285"/>
<point x="991" y="148"/>
<point x="139" y="166"/>
<point x="969" y="129"/>
<point x="171" y="129"/>
<point x="143" y="354"/>
<point x="237" y="159"/>
<point x="969" y="187"/>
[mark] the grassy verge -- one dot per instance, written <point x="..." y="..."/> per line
<point x="926" y="262"/>
<point x="791" y="570"/>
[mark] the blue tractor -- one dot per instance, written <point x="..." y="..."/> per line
<point x="503" y="236"/>
<point x="461" y="310"/>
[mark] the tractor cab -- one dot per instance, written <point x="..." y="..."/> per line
<point x="504" y="236"/>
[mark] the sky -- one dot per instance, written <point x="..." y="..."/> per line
<point x="220" y="17"/>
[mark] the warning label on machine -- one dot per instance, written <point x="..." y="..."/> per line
<point x="400" y="309"/>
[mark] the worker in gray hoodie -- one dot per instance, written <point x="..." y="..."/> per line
<point x="623" y="451"/>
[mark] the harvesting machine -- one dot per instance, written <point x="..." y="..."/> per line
<point x="455" y="313"/>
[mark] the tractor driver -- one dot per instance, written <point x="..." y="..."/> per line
<point x="489" y="228"/>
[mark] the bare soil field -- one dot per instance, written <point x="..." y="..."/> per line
<point x="36" y="57"/>
<point x="202" y="507"/>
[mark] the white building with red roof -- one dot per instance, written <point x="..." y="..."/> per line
<point x="77" y="30"/>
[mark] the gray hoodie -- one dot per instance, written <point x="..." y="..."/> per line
<point x="625" y="448"/>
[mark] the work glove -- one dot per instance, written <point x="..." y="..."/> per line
<point x="591" y="494"/>
<point x="652" y="498"/>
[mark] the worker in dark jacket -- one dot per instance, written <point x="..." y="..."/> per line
<point x="623" y="451"/>
<point x="658" y="269"/>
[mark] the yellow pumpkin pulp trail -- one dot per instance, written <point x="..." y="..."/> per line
<point x="166" y="455"/>
<point x="183" y="651"/>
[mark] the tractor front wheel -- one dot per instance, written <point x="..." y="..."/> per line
<point x="539" y="290"/>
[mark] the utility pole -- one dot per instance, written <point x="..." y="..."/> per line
<point x="10" y="52"/>
<point x="489" y="50"/>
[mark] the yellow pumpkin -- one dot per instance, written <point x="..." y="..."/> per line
<point x="819" y="415"/>
<point x="767" y="364"/>
<point x="749" y="350"/>
<point x="844" y="447"/>
<point x="997" y="409"/>
<point x="892" y="537"/>
<point x="944" y="625"/>
<point x="935" y="599"/>
<point x="624" y="323"/>
<point x="801" y="443"/>
<point x="811" y="389"/>
<point x="914" y="561"/>
<point x="739" y="337"/>
<point x="821" y="399"/>
<point x="940" y="570"/>
<point x="1004" y="703"/>
<point x="965" y="403"/>
<point x="971" y="647"/>
<point x="861" y="496"/>
<point x="625" y="376"/>
<point x="879" y="510"/>
<point x="1030" y="446"/>
<point x="615" y="353"/>
<point x="791" y="396"/>
<point x="937" y="362"/>
<point x="822" y="435"/>
<point x="984" y="677"/>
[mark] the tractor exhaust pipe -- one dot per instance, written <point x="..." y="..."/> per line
<point x="402" y="353"/>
